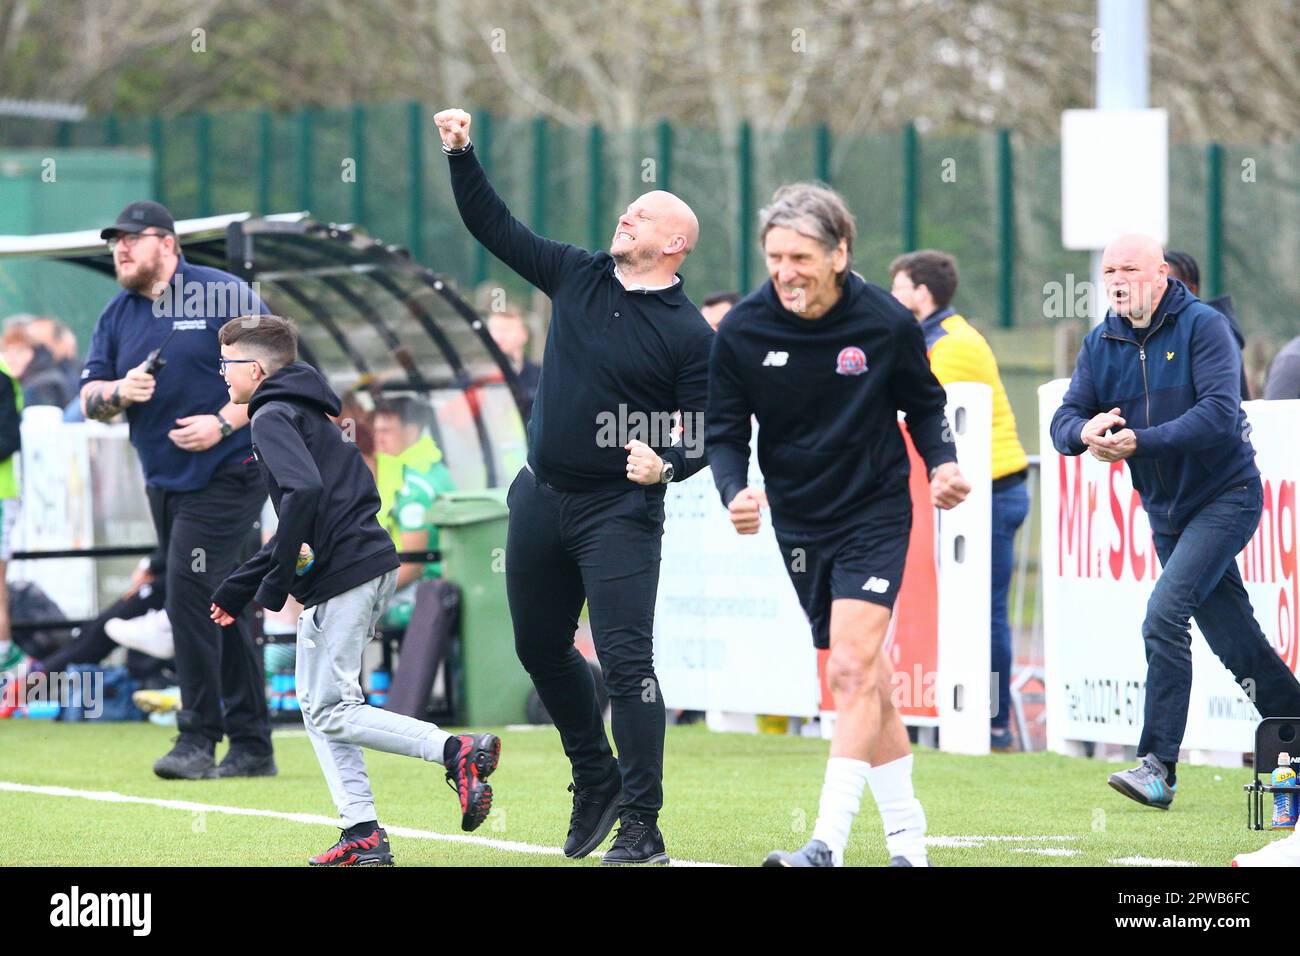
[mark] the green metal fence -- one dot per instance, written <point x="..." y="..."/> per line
<point x="991" y="199"/>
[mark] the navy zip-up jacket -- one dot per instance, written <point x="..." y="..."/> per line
<point x="1178" y="386"/>
<point x="826" y="393"/>
<point x="323" y="493"/>
<point x="614" y="357"/>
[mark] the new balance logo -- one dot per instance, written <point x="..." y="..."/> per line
<point x="776" y="358"/>
<point x="876" y="585"/>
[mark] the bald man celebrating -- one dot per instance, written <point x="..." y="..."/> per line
<point x="1158" y="383"/>
<point x="625" y="349"/>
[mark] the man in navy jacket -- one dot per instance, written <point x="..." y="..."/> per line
<point x="154" y="355"/>
<point x="1158" y="384"/>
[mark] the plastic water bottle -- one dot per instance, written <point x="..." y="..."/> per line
<point x="1284" y="804"/>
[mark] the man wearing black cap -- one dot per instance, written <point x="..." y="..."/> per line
<point x="154" y="355"/>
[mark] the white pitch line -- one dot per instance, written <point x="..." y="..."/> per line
<point x="1045" y="851"/>
<point x="1148" y="861"/>
<point x="978" y="842"/>
<point x="109" y="796"/>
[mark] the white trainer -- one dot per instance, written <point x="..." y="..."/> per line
<point x="1278" y="853"/>
<point x="151" y="633"/>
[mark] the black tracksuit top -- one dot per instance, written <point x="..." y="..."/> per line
<point x="612" y="355"/>
<point x="323" y="493"/>
<point x="826" y="393"/>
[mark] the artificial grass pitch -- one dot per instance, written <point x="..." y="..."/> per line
<point x="729" y="799"/>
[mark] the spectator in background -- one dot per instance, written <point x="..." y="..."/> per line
<point x="510" y="332"/>
<point x="62" y="343"/>
<point x="43" y="382"/>
<point x="925" y="283"/>
<point x="356" y="418"/>
<point x="136" y="621"/>
<point x="1284" y="374"/>
<point x="717" y="305"/>
<point x="410" y="474"/>
<point x="11" y="407"/>
<point x="1184" y="268"/>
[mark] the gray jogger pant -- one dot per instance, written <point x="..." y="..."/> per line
<point x="331" y="638"/>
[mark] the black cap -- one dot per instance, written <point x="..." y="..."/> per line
<point x="140" y="216"/>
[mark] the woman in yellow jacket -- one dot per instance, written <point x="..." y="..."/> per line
<point x="925" y="282"/>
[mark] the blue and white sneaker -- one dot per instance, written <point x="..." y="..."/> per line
<point x="1147" y="783"/>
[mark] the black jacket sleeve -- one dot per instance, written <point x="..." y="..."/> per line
<point x="11" y="438"/>
<point x="692" y="393"/>
<point x="918" y="393"/>
<point x="542" y="262"/>
<point x="285" y="454"/>
<point x="727" y="428"/>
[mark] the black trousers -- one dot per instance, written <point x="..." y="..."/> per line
<point x="203" y="535"/>
<point x="602" y="547"/>
<point x="93" y="644"/>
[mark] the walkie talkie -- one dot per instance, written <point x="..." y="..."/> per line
<point x="154" y="363"/>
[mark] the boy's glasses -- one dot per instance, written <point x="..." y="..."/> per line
<point x="226" y="361"/>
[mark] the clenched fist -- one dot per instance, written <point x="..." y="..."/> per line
<point x="453" y="127"/>
<point x="644" y="466"/>
<point x="745" y="510"/>
<point x="948" y="488"/>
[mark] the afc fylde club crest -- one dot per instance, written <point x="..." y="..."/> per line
<point x="851" y="361"/>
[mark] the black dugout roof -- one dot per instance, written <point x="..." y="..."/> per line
<point x="369" y="319"/>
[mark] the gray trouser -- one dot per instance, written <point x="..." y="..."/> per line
<point x="331" y="638"/>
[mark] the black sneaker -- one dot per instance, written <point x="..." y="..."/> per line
<point x="189" y="759"/>
<point x="241" y="762"/>
<point x="636" y="844"/>
<point x="369" y="850"/>
<point x="477" y="757"/>
<point x="594" y="811"/>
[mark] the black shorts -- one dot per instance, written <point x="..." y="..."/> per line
<point x="864" y="561"/>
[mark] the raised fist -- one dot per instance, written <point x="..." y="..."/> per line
<point x="453" y="127"/>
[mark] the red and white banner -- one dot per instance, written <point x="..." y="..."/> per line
<point x="1097" y="570"/>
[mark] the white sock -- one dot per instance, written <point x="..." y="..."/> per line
<point x="841" y="796"/>
<point x="900" y="811"/>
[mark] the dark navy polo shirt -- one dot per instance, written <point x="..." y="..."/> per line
<point x="198" y="301"/>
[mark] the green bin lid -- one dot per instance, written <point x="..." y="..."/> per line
<point x="454" y="508"/>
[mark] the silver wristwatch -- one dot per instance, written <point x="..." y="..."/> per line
<point x="666" y="474"/>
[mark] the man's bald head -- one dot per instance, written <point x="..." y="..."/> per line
<point x="679" y="216"/>
<point x="1136" y="275"/>
<point x="656" y="226"/>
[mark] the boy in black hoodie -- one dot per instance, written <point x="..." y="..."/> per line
<point x="330" y="553"/>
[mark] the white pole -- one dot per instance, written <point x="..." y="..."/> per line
<point x="1122" y="82"/>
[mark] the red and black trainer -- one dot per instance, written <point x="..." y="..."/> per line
<point x="467" y="772"/>
<point x="372" y="849"/>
